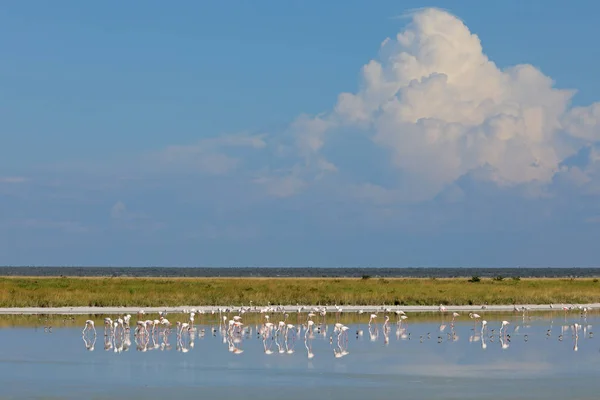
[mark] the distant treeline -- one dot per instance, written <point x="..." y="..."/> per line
<point x="300" y="272"/>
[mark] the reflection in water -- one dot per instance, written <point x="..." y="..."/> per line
<point x="495" y="356"/>
<point x="89" y="342"/>
<point x="281" y="338"/>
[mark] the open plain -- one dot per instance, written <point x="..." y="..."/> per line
<point x="53" y="292"/>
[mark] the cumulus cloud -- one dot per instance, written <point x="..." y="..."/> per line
<point x="584" y="122"/>
<point x="443" y="110"/>
<point x="431" y="110"/>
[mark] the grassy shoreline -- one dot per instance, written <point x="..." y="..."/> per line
<point x="165" y="292"/>
<point x="57" y="321"/>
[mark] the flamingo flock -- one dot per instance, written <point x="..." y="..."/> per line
<point x="280" y="337"/>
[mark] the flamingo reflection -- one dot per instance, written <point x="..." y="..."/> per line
<point x="279" y="336"/>
<point x="89" y="342"/>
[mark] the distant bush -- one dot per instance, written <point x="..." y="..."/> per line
<point x="475" y="278"/>
<point x="516" y="278"/>
<point x="595" y="280"/>
<point x="499" y="278"/>
<point x="365" y="277"/>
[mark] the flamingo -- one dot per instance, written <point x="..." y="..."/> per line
<point x="126" y="321"/>
<point x="309" y="328"/>
<point x="182" y="326"/>
<point x="402" y="318"/>
<point x="504" y="323"/>
<point x="373" y="316"/>
<point x="483" y="326"/>
<point x="385" y="324"/>
<point x="475" y="317"/>
<point x="454" y="315"/>
<point x="398" y="314"/>
<point x="107" y="325"/>
<point x="89" y="325"/>
<point x="140" y="325"/>
<point x="166" y="324"/>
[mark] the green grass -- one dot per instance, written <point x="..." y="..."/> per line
<point x="162" y="292"/>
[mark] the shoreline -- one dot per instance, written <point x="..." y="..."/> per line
<point x="288" y="308"/>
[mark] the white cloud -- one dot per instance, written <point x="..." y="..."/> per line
<point x="584" y="122"/>
<point x="207" y="155"/>
<point x="443" y="110"/>
<point x="583" y="179"/>
<point x="281" y="186"/>
<point x="430" y="110"/>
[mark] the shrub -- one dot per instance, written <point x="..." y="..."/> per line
<point x="516" y="278"/>
<point x="499" y="278"/>
<point x="475" y="278"/>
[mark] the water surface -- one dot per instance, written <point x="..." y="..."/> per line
<point x="538" y="356"/>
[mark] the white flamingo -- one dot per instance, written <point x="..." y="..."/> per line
<point x="475" y="317"/>
<point x="89" y="325"/>
<point x="454" y="315"/>
<point x="504" y="323"/>
<point x="372" y="318"/>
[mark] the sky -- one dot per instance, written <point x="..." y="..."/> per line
<point x="326" y="134"/>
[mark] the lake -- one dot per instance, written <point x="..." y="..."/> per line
<point x="426" y="356"/>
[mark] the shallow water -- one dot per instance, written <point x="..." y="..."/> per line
<point x="530" y="362"/>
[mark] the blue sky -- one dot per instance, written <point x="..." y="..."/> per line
<point x="285" y="133"/>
